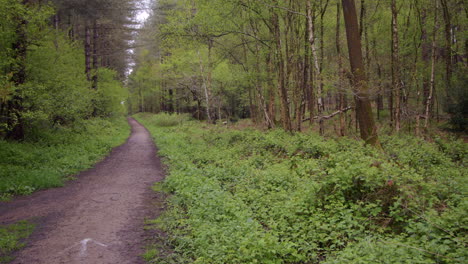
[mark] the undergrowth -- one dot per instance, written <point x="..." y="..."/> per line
<point x="50" y="157"/>
<point x="246" y="196"/>
<point x="11" y="239"/>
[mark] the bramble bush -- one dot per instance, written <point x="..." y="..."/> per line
<point x="247" y="196"/>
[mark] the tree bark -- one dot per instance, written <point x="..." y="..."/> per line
<point x="341" y="90"/>
<point x="318" y="82"/>
<point x="396" y="87"/>
<point x="205" y="89"/>
<point x="311" y="97"/>
<point x="258" y="85"/>
<point x="285" y="115"/>
<point x="432" y="83"/>
<point x="448" y="48"/>
<point x="95" y="54"/>
<point x="88" y="52"/>
<point x="209" y="82"/>
<point x="364" y="114"/>
<point x="425" y="55"/>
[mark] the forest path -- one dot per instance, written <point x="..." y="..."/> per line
<point x="99" y="217"/>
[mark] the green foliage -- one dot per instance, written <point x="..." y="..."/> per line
<point x="11" y="237"/>
<point x="145" y="91"/>
<point x="111" y="94"/>
<point x="271" y="197"/>
<point x="53" y="155"/>
<point x="56" y="90"/>
<point x="167" y="120"/>
<point x="8" y="10"/>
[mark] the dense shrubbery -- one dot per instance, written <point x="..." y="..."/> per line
<point x="57" y="92"/>
<point x="271" y="197"/>
<point x="50" y="155"/>
<point x="45" y="85"/>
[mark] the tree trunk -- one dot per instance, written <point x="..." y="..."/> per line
<point x="306" y="75"/>
<point x="363" y="105"/>
<point x="323" y="9"/>
<point x="432" y="84"/>
<point x="271" y="91"/>
<point x="209" y="79"/>
<point x="285" y="115"/>
<point x="95" y="55"/>
<point x="88" y="52"/>
<point x="318" y="82"/>
<point x="258" y="85"/>
<point x="310" y="36"/>
<point x="396" y="87"/>
<point x="205" y="89"/>
<point x="425" y="55"/>
<point x="448" y="48"/>
<point x="341" y="90"/>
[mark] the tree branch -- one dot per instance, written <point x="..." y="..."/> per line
<point x="329" y="116"/>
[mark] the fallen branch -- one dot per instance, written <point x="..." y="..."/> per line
<point x="329" y="116"/>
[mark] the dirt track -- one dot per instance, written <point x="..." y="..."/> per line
<point x="99" y="217"/>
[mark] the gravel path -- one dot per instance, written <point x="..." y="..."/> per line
<point x="98" y="218"/>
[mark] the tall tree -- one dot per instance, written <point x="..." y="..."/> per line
<point x="359" y="79"/>
<point x="396" y="86"/>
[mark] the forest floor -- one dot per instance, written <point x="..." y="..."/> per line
<point x="98" y="218"/>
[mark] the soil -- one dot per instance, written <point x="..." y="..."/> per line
<point x="98" y="218"/>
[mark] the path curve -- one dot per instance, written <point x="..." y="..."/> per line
<point x="98" y="218"/>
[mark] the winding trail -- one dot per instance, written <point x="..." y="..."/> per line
<point x="98" y="218"/>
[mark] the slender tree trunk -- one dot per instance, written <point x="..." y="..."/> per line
<point x="448" y="48"/>
<point x="285" y="115"/>
<point x="341" y="91"/>
<point x="258" y="86"/>
<point x="88" y="52"/>
<point x="95" y="54"/>
<point x="318" y="82"/>
<point x="425" y="55"/>
<point x="271" y="90"/>
<point x="209" y="82"/>
<point x="430" y="97"/>
<point x="323" y="10"/>
<point x="306" y="75"/>
<point x="205" y="89"/>
<point x="363" y="105"/>
<point x="310" y="40"/>
<point x="71" y="31"/>
<point x="56" y="22"/>
<point x="318" y="74"/>
<point x="396" y="87"/>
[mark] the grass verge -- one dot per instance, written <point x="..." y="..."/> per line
<point x="50" y="157"/>
<point x="11" y="239"/>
